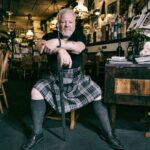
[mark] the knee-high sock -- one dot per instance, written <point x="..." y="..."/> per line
<point x="103" y="117"/>
<point x="38" y="108"/>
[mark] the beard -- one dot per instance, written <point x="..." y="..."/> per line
<point x="67" y="33"/>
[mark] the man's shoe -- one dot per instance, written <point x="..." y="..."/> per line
<point x="32" y="141"/>
<point x="113" y="142"/>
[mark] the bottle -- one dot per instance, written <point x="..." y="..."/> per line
<point x="94" y="36"/>
<point x="124" y="28"/>
<point x="119" y="27"/>
<point x="91" y="36"/>
<point x="115" y="36"/>
<point x="103" y="33"/>
<point x="107" y="26"/>
<point x="120" y="51"/>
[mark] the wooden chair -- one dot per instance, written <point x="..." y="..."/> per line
<point x="26" y="68"/>
<point x="1" y="62"/>
<point x="73" y="117"/>
<point x="3" y="79"/>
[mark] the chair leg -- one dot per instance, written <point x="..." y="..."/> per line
<point x="1" y="108"/>
<point x="72" y="120"/>
<point x="147" y="134"/>
<point x="5" y="98"/>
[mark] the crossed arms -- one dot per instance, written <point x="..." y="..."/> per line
<point x="52" y="47"/>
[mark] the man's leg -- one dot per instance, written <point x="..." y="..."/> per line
<point x="38" y="108"/>
<point x="107" y="132"/>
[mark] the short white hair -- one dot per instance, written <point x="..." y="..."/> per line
<point x="63" y="11"/>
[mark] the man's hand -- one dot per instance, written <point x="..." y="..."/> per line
<point x="64" y="58"/>
<point x="52" y="44"/>
<point x="49" y="46"/>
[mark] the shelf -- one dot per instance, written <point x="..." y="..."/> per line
<point x="109" y="41"/>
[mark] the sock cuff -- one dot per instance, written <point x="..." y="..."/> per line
<point x="38" y="104"/>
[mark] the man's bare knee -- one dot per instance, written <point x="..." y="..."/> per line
<point x="35" y="94"/>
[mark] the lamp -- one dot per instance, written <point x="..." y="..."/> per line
<point x="81" y="10"/>
<point x="81" y="7"/>
<point x="29" y="34"/>
<point x="9" y="22"/>
<point x="96" y="12"/>
<point x="30" y="22"/>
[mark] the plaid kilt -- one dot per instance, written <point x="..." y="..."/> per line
<point x="78" y="90"/>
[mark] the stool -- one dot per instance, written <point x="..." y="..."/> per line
<point x="72" y="119"/>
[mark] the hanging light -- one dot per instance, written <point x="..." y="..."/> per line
<point x="30" y="22"/>
<point x="29" y="34"/>
<point x="81" y="7"/>
<point x="81" y="10"/>
<point x="10" y="23"/>
<point x="96" y="12"/>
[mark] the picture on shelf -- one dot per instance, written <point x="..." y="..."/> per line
<point x="146" y="22"/>
<point x="136" y="22"/>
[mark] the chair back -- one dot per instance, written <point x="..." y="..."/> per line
<point x="4" y="67"/>
<point x="1" y="58"/>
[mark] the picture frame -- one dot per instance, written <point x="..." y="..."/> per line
<point x="145" y="24"/>
<point x="112" y="7"/>
<point x="136" y="22"/>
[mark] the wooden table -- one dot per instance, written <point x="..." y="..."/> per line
<point x="127" y="84"/>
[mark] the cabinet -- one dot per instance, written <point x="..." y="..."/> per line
<point x="126" y="84"/>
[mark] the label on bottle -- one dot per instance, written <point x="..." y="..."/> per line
<point x="115" y="31"/>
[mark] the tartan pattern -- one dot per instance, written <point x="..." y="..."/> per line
<point x="81" y="91"/>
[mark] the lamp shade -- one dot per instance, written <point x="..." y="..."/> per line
<point x="81" y="7"/>
<point x="29" y="34"/>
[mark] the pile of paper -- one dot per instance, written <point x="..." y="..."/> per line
<point x="118" y="60"/>
<point x="143" y="60"/>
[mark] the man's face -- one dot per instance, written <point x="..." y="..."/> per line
<point x="67" y="24"/>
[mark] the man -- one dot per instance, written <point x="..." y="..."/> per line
<point x="79" y="89"/>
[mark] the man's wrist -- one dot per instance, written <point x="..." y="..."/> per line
<point x="59" y="42"/>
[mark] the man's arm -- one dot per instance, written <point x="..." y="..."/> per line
<point x="51" y="46"/>
<point x="73" y="47"/>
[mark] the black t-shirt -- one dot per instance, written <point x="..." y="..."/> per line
<point x="76" y="58"/>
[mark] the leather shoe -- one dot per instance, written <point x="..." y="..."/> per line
<point x="32" y="141"/>
<point x="113" y="142"/>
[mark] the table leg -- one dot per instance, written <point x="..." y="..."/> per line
<point x="112" y="109"/>
<point x="147" y="134"/>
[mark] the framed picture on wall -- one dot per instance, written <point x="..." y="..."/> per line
<point x="124" y="6"/>
<point x="112" y="8"/>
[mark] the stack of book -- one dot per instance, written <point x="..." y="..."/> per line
<point x="143" y="60"/>
<point x="118" y="60"/>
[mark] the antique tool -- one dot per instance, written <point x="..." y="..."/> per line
<point x="60" y="72"/>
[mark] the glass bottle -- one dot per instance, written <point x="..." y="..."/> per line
<point x="115" y="30"/>
<point x="120" y="51"/>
